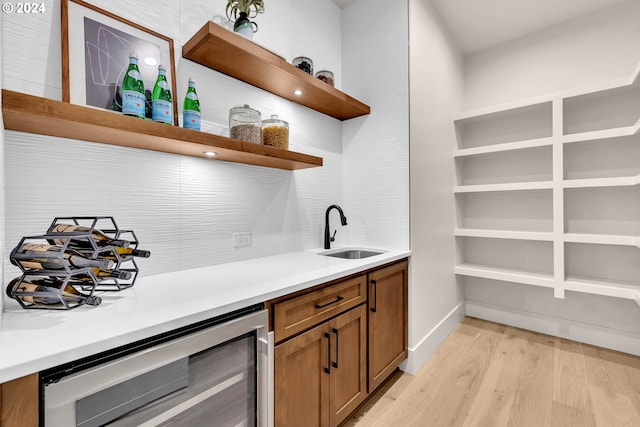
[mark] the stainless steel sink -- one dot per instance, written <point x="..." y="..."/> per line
<point x="352" y="253"/>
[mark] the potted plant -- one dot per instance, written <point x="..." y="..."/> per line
<point x="240" y="11"/>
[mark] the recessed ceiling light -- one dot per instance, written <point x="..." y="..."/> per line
<point x="210" y="153"/>
<point x="297" y="92"/>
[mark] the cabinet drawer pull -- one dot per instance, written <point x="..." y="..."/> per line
<point x="338" y="299"/>
<point x="335" y="364"/>
<point x="328" y="368"/>
<point x="374" y="306"/>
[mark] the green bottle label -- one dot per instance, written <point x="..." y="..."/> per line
<point x="191" y="119"/>
<point x="162" y="111"/>
<point x="133" y="103"/>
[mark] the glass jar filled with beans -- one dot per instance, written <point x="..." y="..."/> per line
<point x="275" y="133"/>
<point x="304" y="63"/>
<point x="245" y="124"/>
<point x="326" y="76"/>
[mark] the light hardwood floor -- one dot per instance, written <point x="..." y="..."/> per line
<point x="487" y="374"/>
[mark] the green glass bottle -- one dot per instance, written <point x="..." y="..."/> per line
<point x="133" y="98"/>
<point x="191" y="108"/>
<point x="161" y="105"/>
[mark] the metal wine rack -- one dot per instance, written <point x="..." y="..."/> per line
<point x="55" y="293"/>
<point x="85" y="280"/>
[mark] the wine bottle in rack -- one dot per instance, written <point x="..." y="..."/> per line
<point x="98" y="236"/>
<point x="101" y="274"/>
<point x="109" y="274"/>
<point x="39" y="256"/>
<point x="114" y="254"/>
<point x="128" y="252"/>
<point x="51" y="289"/>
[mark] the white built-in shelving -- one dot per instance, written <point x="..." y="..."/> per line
<point x="507" y="186"/>
<point x="504" y="234"/>
<point x="615" y="181"/>
<point x="505" y="274"/>
<point x="548" y="191"/>
<point x="603" y="239"/>
<point x="507" y="146"/>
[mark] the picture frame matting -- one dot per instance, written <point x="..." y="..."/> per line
<point x="95" y="55"/>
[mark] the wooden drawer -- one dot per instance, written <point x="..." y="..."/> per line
<point x="304" y="311"/>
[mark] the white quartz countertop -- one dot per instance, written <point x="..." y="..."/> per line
<point x="34" y="340"/>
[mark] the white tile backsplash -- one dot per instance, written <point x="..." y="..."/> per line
<point x="376" y="147"/>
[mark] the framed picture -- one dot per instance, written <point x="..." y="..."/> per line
<point x="95" y="56"/>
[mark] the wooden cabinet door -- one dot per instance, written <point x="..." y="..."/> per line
<point x="348" y="379"/>
<point x="19" y="402"/>
<point x="388" y="333"/>
<point x="301" y="381"/>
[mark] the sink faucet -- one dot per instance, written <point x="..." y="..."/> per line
<point x="327" y="237"/>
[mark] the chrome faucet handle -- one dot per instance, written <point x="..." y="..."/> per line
<point x="333" y="238"/>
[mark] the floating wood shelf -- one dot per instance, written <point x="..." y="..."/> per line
<point x="229" y="53"/>
<point x="27" y="113"/>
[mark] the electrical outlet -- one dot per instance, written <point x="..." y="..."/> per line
<point x="241" y="239"/>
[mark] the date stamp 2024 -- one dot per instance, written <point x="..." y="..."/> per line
<point x="23" y="8"/>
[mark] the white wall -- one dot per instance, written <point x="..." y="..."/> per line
<point x="591" y="49"/>
<point x="376" y="147"/>
<point x="183" y="209"/>
<point x="435" y="298"/>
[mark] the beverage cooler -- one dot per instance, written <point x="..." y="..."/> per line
<point x="214" y="373"/>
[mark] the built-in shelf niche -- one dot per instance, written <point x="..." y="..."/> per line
<point x="602" y="158"/>
<point x="513" y="166"/>
<point x="513" y="260"/>
<point x="605" y="210"/>
<point x="520" y="126"/>
<point x="603" y="263"/>
<point x="613" y="108"/>
<point x="527" y="211"/>
<point x="532" y="256"/>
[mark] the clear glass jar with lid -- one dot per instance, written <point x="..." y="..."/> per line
<point x="275" y="132"/>
<point x="245" y="124"/>
<point x="326" y="76"/>
<point x="304" y="63"/>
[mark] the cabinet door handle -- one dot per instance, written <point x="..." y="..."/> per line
<point x="335" y="331"/>
<point x="328" y="368"/>
<point x="374" y="306"/>
<point x="338" y="299"/>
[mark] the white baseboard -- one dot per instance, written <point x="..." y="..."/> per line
<point x="600" y="336"/>
<point x="420" y="353"/>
